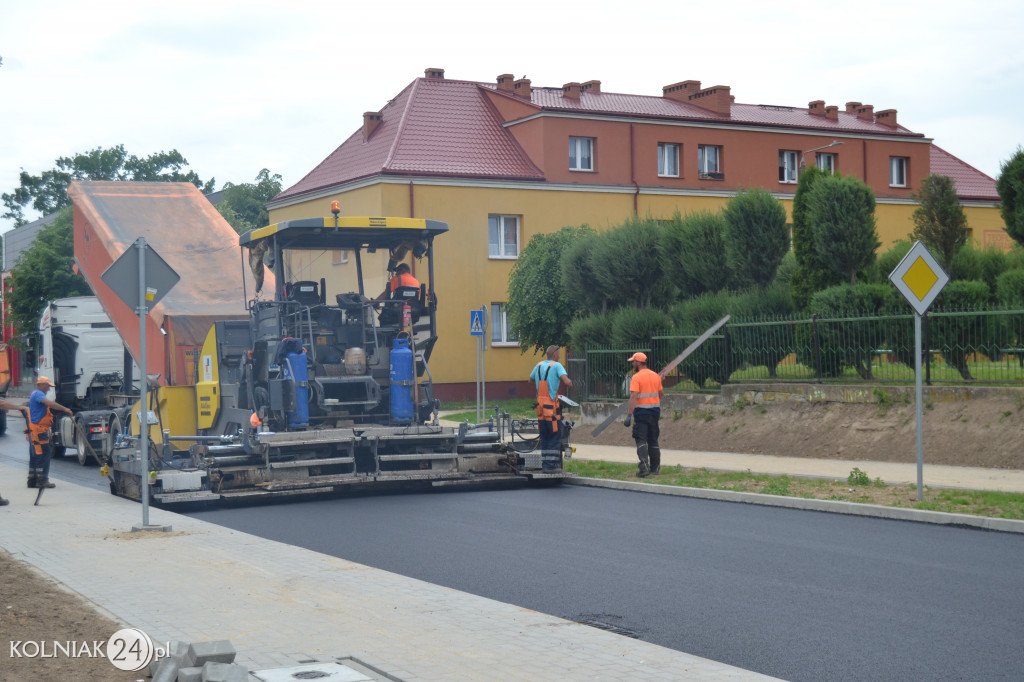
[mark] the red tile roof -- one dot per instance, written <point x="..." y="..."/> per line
<point x="434" y="127"/>
<point x="449" y="128"/>
<point x="971" y="183"/>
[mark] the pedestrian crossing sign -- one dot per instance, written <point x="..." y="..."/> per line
<point x="476" y="322"/>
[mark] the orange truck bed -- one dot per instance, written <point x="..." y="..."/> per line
<point x="185" y="229"/>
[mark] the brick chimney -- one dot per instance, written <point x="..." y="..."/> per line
<point x="521" y="88"/>
<point x="716" y="99"/>
<point x="851" y="107"/>
<point x="371" y="119"/>
<point x="433" y="73"/>
<point x="886" y="117"/>
<point x="832" y="113"/>
<point x="591" y="87"/>
<point x="816" y="108"/>
<point x="866" y="112"/>
<point x="680" y="91"/>
<point x="505" y="82"/>
<point x="571" y="90"/>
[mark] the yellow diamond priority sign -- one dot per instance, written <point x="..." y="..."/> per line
<point x="919" y="277"/>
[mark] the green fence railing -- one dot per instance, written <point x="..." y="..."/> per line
<point x="984" y="346"/>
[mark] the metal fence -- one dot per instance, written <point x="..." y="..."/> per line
<point x="984" y="346"/>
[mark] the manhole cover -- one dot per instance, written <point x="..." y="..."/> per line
<point x="322" y="672"/>
<point x="603" y="624"/>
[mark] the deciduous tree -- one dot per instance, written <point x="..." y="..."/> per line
<point x="539" y="309"/>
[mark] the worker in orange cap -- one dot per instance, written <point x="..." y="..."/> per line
<point x="643" y="412"/>
<point x="39" y="423"/>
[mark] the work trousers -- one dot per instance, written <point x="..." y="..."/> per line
<point x="550" y="445"/>
<point x="39" y="465"/>
<point x="646" y="431"/>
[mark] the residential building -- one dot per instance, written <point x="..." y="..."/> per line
<point x="502" y="161"/>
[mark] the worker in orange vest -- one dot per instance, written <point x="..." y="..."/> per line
<point x="39" y="424"/>
<point x="643" y="412"/>
<point x="550" y="376"/>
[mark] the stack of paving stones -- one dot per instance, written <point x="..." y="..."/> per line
<point x="200" y="662"/>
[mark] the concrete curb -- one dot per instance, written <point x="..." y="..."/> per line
<point x="830" y="506"/>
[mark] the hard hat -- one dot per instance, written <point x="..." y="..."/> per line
<point x="45" y="380"/>
<point x="639" y="357"/>
<point x="254" y="420"/>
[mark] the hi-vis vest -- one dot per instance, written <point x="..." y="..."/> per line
<point x="39" y="433"/>
<point x="403" y="280"/>
<point x="546" y="408"/>
<point x="648" y="386"/>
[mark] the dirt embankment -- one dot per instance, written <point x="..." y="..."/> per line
<point x="984" y="431"/>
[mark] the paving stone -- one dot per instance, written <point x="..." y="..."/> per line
<point x="224" y="672"/>
<point x="190" y="675"/>
<point x="219" y="651"/>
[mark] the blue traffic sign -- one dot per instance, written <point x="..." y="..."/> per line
<point x="476" y="323"/>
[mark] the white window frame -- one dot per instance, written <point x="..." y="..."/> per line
<point x="581" y="154"/>
<point x="709" y="163"/>
<point x="668" y="159"/>
<point x="498" y="248"/>
<point x="499" y="327"/>
<point x="826" y="162"/>
<point x="339" y="257"/>
<point x="898" y="171"/>
<point x="788" y="166"/>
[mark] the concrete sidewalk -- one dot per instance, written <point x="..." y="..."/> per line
<point x="973" y="478"/>
<point x="283" y="606"/>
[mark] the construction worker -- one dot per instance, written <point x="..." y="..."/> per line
<point x="403" y="286"/>
<point x="403" y="278"/>
<point x="40" y="421"/>
<point x="7" y="405"/>
<point x="550" y="376"/>
<point x="643" y="412"/>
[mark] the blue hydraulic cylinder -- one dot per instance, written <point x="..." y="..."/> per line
<point x="294" y="368"/>
<point x="402" y="379"/>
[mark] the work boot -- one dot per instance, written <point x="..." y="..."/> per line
<point x="3" y="502"/>
<point x="32" y="481"/>
<point x="45" y="483"/>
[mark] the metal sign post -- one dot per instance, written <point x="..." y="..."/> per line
<point x="477" y="328"/>
<point x="920" y="279"/>
<point x="140" y="287"/>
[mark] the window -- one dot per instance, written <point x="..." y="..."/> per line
<point x="709" y="162"/>
<point x="499" y="326"/>
<point x="787" y="165"/>
<point x="826" y="162"/>
<point x="898" y="171"/>
<point x="339" y="257"/>
<point x="503" y="236"/>
<point x="581" y="153"/>
<point x="668" y="159"/>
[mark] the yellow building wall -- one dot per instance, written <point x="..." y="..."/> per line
<point x="467" y="278"/>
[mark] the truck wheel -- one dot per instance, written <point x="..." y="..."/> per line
<point x="113" y="431"/>
<point x="84" y="458"/>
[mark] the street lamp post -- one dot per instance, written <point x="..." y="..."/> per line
<point x="833" y="143"/>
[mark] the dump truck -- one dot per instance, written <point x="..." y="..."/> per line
<point x="78" y="347"/>
<point x="310" y="391"/>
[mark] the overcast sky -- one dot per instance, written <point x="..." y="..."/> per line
<point x="240" y="86"/>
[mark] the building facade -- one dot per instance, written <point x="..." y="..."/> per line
<point x="503" y="161"/>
